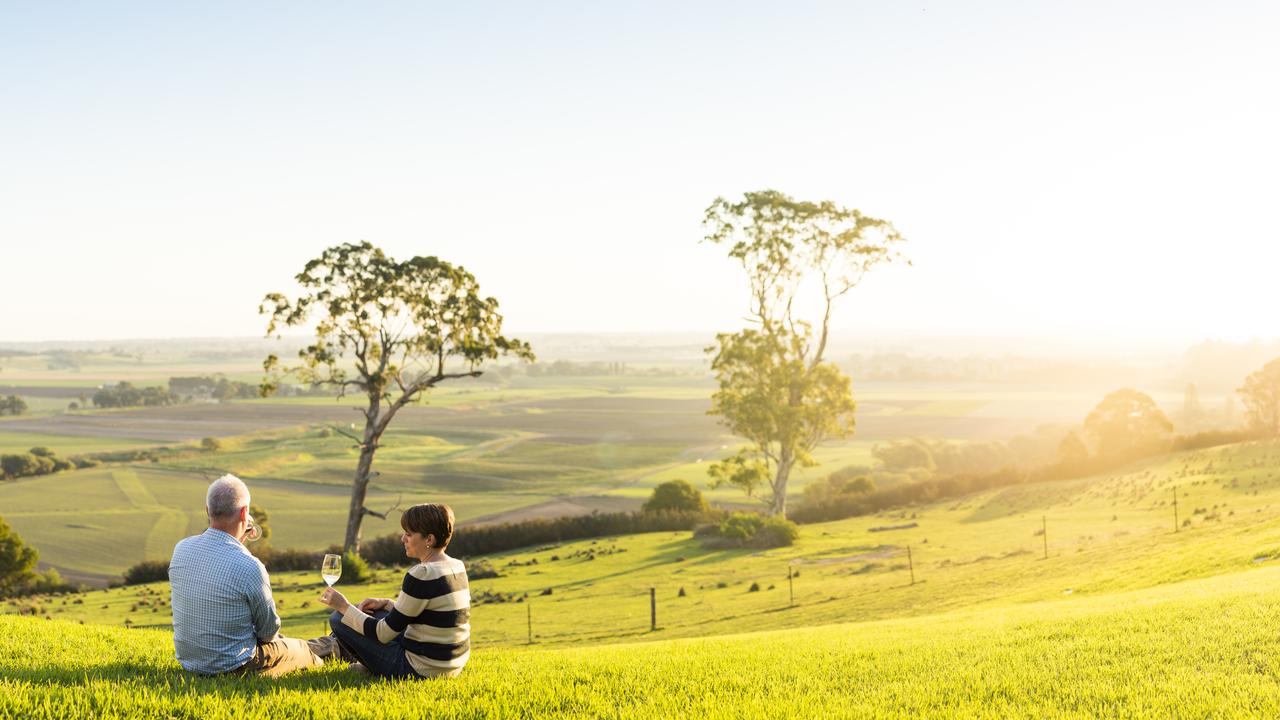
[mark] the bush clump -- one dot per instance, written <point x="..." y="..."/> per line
<point x="147" y="571"/>
<point x="743" y="529"/>
<point x="280" y="559"/>
<point x="676" y="496"/>
<point x="354" y="569"/>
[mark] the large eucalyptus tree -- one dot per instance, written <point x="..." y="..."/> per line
<point x="388" y="330"/>
<point x="776" y="388"/>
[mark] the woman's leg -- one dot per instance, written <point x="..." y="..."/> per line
<point x="382" y="660"/>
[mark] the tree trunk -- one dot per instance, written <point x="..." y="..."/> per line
<point x="359" y="488"/>
<point x="360" y="484"/>
<point x="779" y="506"/>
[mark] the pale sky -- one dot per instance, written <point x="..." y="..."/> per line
<point x="1103" y="170"/>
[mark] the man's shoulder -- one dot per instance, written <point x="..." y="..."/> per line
<point x="212" y="547"/>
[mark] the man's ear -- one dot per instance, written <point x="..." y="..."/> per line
<point x="244" y="514"/>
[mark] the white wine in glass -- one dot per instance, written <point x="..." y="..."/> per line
<point x="331" y="569"/>
<point x="253" y="533"/>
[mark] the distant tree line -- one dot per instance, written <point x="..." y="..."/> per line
<point x="125" y="394"/>
<point x="569" y="368"/>
<point x="215" y="388"/>
<point x="39" y="461"/>
<point x="1125" y="426"/>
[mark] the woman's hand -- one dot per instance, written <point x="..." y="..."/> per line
<point x="369" y="605"/>
<point x="334" y="599"/>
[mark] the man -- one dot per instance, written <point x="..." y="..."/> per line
<point x="224" y="619"/>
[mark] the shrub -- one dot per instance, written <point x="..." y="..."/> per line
<point x="354" y="569"/>
<point x="743" y="529"/>
<point x="85" y="462"/>
<point x="386" y="551"/>
<point x="675" y="495"/>
<point x="147" y="571"/>
<point x="210" y="444"/>
<point x="740" y="526"/>
<point x="776" y="532"/>
<point x="19" y="465"/>
<point x="42" y="451"/>
<point x="277" y="559"/>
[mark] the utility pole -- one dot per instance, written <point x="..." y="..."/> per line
<point x="1175" y="509"/>
<point x="791" y="589"/>
<point x="1045" y="532"/>
<point x="529" y="609"/>
<point x="653" y="609"/>
<point x="911" y="566"/>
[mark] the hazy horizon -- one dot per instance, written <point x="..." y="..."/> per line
<point x="1089" y="174"/>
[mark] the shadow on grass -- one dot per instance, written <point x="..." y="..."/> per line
<point x="175" y="680"/>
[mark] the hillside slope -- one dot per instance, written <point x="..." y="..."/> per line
<point x="1193" y="649"/>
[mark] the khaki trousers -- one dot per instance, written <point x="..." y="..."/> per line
<point x="281" y="655"/>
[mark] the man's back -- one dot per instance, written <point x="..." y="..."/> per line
<point x="221" y="600"/>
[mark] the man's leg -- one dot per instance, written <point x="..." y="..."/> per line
<point x="282" y="655"/>
<point x="383" y="660"/>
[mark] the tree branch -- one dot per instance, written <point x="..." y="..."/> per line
<point x="383" y="515"/>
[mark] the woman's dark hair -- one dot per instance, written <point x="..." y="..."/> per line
<point x="430" y="519"/>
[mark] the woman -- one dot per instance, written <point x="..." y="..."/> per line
<point x="426" y="631"/>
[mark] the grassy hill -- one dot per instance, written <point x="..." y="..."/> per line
<point x="1124" y="617"/>
<point x="1106" y="534"/>
<point x="1200" y="648"/>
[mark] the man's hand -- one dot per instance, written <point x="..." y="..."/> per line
<point x="334" y="599"/>
<point x="369" y="605"/>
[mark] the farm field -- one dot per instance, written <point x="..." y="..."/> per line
<point x="1125" y="617"/>
<point x="548" y="448"/>
<point x="1108" y="534"/>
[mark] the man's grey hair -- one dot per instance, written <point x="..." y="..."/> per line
<point x="226" y="496"/>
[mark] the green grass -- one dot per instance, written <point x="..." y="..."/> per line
<point x="1204" y="648"/>
<point x="1124" y="618"/>
<point x="65" y="445"/>
<point x="1106" y="535"/>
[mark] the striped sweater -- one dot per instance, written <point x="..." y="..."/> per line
<point x="433" y="611"/>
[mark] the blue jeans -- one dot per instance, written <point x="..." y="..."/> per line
<point x="386" y="661"/>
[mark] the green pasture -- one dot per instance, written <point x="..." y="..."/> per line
<point x="96" y="523"/>
<point x="1108" y="534"/>
<point x="1198" y="648"/>
<point x="65" y="445"/>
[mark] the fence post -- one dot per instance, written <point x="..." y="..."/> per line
<point x="1045" y="532"/>
<point x="529" y="611"/>
<point x="1175" y="509"/>
<point x="911" y="566"/>
<point x="653" y="609"/>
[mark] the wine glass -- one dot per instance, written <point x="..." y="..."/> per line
<point x="252" y="533"/>
<point x="331" y="569"/>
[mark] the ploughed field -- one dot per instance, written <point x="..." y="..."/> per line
<point x="1125" y="617"/>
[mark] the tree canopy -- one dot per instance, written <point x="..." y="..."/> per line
<point x="389" y="330"/>
<point x="1261" y="396"/>
<point x="17" y="560"/>
<point x="678" y="495"/>
<point x="1127" y="423"/>
<point x="776" y="389"/>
